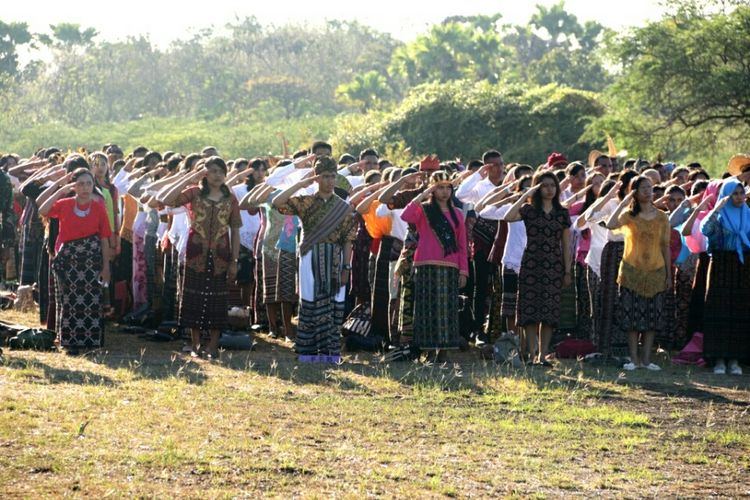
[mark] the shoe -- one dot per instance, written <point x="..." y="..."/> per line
<point x="629" y="367"/>
<point x="734" y="369"/>
<point x="720" y="369"/>
<point x="653" y="367"/>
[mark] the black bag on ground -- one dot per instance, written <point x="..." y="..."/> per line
<point x="357" y="331"/>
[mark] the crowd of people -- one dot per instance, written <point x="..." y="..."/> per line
<point x="439" y="255"/>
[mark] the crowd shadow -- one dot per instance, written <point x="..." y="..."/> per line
<point x="466" y="371"/>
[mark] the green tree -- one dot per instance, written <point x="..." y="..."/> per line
<point x="685" y="82"/>
<point x="12" y="36"/>
<point x="365" y="91"/>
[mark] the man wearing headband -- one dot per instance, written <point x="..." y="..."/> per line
<point x="325" y="254"/>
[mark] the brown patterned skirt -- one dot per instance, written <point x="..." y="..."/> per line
<point x="204" y="303"/>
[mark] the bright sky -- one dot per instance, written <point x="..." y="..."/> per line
<point x="165" y="21"/>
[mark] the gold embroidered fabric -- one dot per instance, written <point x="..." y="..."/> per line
<point x="643" y="269"/>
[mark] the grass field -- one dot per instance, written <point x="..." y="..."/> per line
<point x="140" y="419"/>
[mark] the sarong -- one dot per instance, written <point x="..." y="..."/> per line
<point x="78" y="294"/>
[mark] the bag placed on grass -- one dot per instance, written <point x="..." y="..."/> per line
<point x="571" y="348"/>
<point x="357" y="331"/>
<point x="33" y="338"/>
<point x="507" y="350"/>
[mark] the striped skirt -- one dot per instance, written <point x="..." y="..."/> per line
<point x="583" y="302"/>
<point x="78" y="294"/>
<point x="436" y="307"/>
<point x="270" y="270"/>
<point x="510" y="292"/>
<point x="286" y="277"/>
<point x="406" y="286"/>
<point x="390" y="248"/>
<point x="613" y="340"/>
<point x="321" y="301"/>
<point x="683" y="289"/>
<point x="727" y="312"/>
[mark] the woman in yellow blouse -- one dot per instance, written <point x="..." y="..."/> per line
<point x="645" y="274"/>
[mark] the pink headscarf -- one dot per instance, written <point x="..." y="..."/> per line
<point x="696" y="242"/>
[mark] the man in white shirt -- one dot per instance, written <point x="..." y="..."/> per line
<point x="470" y="191"/>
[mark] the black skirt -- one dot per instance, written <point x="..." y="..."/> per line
<point x="726" y="319"/>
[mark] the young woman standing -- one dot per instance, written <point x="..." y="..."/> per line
<point x="213" y="249"/>
<point x="546" y="263"/>
<point x="80" y="262"/>
<point x="645" y="271"/>
<point x="441" y="265"/>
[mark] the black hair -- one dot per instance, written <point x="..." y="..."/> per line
<point x="150" y="156"/>
<point x="409" y="170"/>
<point x="207" y="149"/>
<point x="173" y="162"/>
<point x="625" y="177"/>
<point x="75" y="161"/>
<point x="140" y="149"/>
<point x="319" y="145"/>
<point x="299" y="153"/>
<point x="491" y="154"/>
<point x="218" y="162"/>
<point x="695" y="173"/>
<point x="536" y="198"/>
<point x="442" y="176"/>
<point x="284" y="163"/>
<point x="189" y="162"/>
<point x="678" y="189"/>
<point x="346" y="159"/>
<point x="524" y="168"/>
<point x="240" y="163"/>
<point x="523" y="180"/>
<point x="560" y="174"/>
<point x="635" y="206"/>
<point x="255" y="164"/>
<point x="598" y="158"/>
<point x="694" y="164"/>
<point x="50" y="151"/>
<point x="573" y="168"/>
<point x="607" y="186"/>
<point x="384" y="163"/>
<point x="474" y="164"/>
<point x="698" y="187"/>
<point x="590" y="196"/>
<point x="368" y="152"/>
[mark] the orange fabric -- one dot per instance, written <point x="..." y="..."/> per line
<point x="129" y="211"/>
<point x="376" y="226"/>
<point x="643" y="268"/>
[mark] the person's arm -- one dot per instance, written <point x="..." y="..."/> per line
<point x="567" y="260"/>
<point x="599" y="203"/>
<point x="614" y="220"/>
<point x="496" y="194"/>
<point x="375" y="190"/>
<point x="687" y="229"/>
<point x="514" y="213"/>
<point x="710" y="224"/>
<point x="576" y="196"/>
<point x="171" y="197"/>
<point x="465" y="191"/>
<point x="463" y="251"/>
<point x="234" y="240"/>
<point x="282" y="198"/>
<point x="387" y="195"/>
<point x="52" y="194"/>
<point x="345" y="273"/>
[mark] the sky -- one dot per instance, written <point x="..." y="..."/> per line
<point x="165" y="21"/>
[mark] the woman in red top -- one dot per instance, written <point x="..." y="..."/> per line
<point x="78" y="263"/>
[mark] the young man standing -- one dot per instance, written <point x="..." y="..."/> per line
<point x="325" y="255"/>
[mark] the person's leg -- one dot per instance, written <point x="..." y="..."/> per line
<point x="213" y="343"/>
<point x="532" y="341"/>
<point x="544" y="340"/>
<point x="287" y="308"/>
<point x="633" y="347"/>
<point x="272" y="310"/>
<point x="648" y="344"/>
<point x="195" y="338"/>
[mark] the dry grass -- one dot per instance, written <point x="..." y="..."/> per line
<point x="141" y="419"/>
